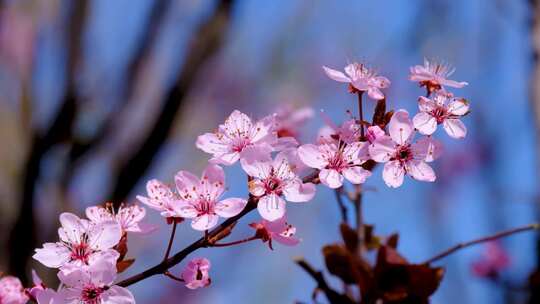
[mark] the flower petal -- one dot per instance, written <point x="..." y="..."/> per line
<point x="312" y="156"/>
<point x="118" y="295"/>
<point x="458" y="106"/>
<point x="356" y="174"/>
<point x="204" y="222"/>
<point x="336" y="75"/>
<point x="271" y="207"/>
<point x="211" y="143"/>
<point x="382" y="149"/>
<point x="331" y="178"/>
<point x="400" y="127"/>
<point x="455" y="128"/>
<point x="298" y="192"/>
<point x="230" y="207"/>
<point x="52" y="255"/>
<point x="187" y="185"/>
<point x="393" y="174"/>
<point x="425" y="123"/>
<point x="421" y="171"/>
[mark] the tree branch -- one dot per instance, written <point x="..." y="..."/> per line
<point x="449" y="251"/>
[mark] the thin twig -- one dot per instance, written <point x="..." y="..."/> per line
<point x="172" y="276"/>
<point x="234" y="243"/>
<point x="361" y="114"/>
<point x="359" y="219"/>
<point x="493" y="237"/>
<point x="341" y="204"/>
<point x="171" y="240"/>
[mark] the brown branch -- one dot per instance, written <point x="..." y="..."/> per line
<point x="339" y="192"/>
<point x="249" y="239"/>
<point x="449" y="251"/>
<point x="201" y="242"/>
<point x="171" y="240"/>
<point x="23" y="237"/>
<point x="332" y="295"/>
<point x="208" y="40"/>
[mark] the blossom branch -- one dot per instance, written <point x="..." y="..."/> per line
<point x="201" y="242"/>
<point x="235" y="242"/>
<point x="361" y="114"/>
<point x="449" y="251"/>
<point x="338" y="192"/>
<point x="171" y="240"/>
<point x="172" y="276"/>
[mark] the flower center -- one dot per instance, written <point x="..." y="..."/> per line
<point x="440" y="114"/>
<point x="91" y="294"/>
<point x="404" y="153"/>
<point x="337" y="162"/>
<point x="205" y="207"/>
<point x="273" y="185"/>
<point x="81" y="251"/>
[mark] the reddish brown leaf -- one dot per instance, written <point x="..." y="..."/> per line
<point x="121" y="266"/>
<point x="350" y="237"/>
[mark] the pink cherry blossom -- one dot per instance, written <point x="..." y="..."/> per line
<point x="91" y="284"/>
<point x="494" y="259"/>
<point x="81" y="243"/>
<point x="290" y="120"/>
<point x="200" y="198"/>
<point x="361" y="78"/>
<point x="400" y="156"/>
<point x="12" y="291"/>
<point x="237" y="133"/>
<point x="444" y="110"/>
<point x="195" y="274"/>
<point x="347" y="132"/>
<point x="337" y="162"/>
<point x="278" y="230"/>
<point x="271" y="180"/>
<point x="128" y="217"/>
<point x="160" y="198"/>
<point x="434" y="76"/>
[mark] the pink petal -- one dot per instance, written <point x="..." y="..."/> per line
<point x="400" y="127"/>
<point x="72" y="227"/>
<point x="286" y="240"/>
<point x="455" y="128"/>
<point x="356" y="152"/>
<point x="271" y="207"/>
<point x="331" y="178"/>
<point x="458" y="106"/>
<point x="263" y="130"/>
<point x="421" y="171"/>
<point x="298" y="192"/>
<point x="425" y="104"/>
<point x="230" y="207"/>
<point x="453" y="84"/>
<point x="312" y="156"/>
<point x="52" y="255"/>
<point x="104" y="235"/>
<point x="226" y="159"/>
<point x="237" y="123"/>
<point x="425" y="123"/>
<point x="393" y="174"/>
<point x="212" y="182"/>
<point x="427" y="148"/>
<point x="204" y="222"/>
<point x="185" y="209"/>
<point x="211" y="143"/>
<point x="118" y="295"/>
<point x="257" y="169"/>
<point x="356" y="175"/>
<point x="336" y="75"/>
<point x="256" y="187"/>
<point x="187" y="185"/>
<point x="382" y="149"/>
<point x="381" y="82"/>
<point x="375" y="93"/>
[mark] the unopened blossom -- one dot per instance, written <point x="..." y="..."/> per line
<point x="129" y="217"/>
<point x="373" y="133"/>
<point x="12" y="291"/>
<point x="444" y="110"/>
<point x="289" y="121"/>
<point x="82" y="242"/>
<point x="195" y="274"/>
<point x="273" y="179"/>
<point x="361" y="78"/>
<point x="92" y="284"/>
<point x="493" y="260"/>
<point x="278" y="230"/>
<point x="434" y="76"/>
<point x="337" y="162"/>
<point x="37" y="287"/>
<point x="161" y="198"/>
<point x="237" y="133"/>
<point x="400" y="155"/>
<point x="347" y="132"/>
<point x="200" y="198"/>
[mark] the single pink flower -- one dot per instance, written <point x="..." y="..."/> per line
<point x="91" y="284"/>
<point x="290" y="120"/>
<point x="81" y="243"/>
<point x="278" y="230"/>
<point x="128" y="217"/>
<point x="199" y="198"/>
<point x="494" y="259"/>
<point x="12" y="291"/>
<point x="195" y="274"/>
<point x="400" y="155"/>
<point x="273" y="179"/>
<point x="444" y="110"/>
<point x="434" y="76"/>
<point x="238" y="132"/>
<point x="360" y="78"/>
<point x="160" y="198"/>
<point x="337" y="162"/>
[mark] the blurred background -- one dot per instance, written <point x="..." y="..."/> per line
<point x="96" y="97"/>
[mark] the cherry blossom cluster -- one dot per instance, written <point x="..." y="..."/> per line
<point x="91" y="252"/>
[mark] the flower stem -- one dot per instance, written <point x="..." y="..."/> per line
<point x="171" y="240"/>
<point x="449" y="251"/>
<point x="361" y="114"/>
<point x="170" y="275"/>
<point x="341" y="204"/>
<point x="234" y="243"/>
<point x="359" y="219"/>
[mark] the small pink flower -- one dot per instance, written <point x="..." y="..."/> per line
<point x="444" y="110"/>
<point x="81" y="243"/>
<point x="290" y="120"/>
<point x="278" y="230"/>
<point x="400" y="156"/>
<point x="336" y="162"/>
<point x="271" y="180"/>
<point x="360" y="78"/>
<point x="200" y="198"/>
<point x="434" y="76"/>
<point x="91" y="284"/>
<point x="12" y="291"/>
<point x="494" y="259"/>
<point x="196" y="275"/>
<point x="128" y="217"/>
<point x="160" y="198"/>
<point x="238" y="132"/>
